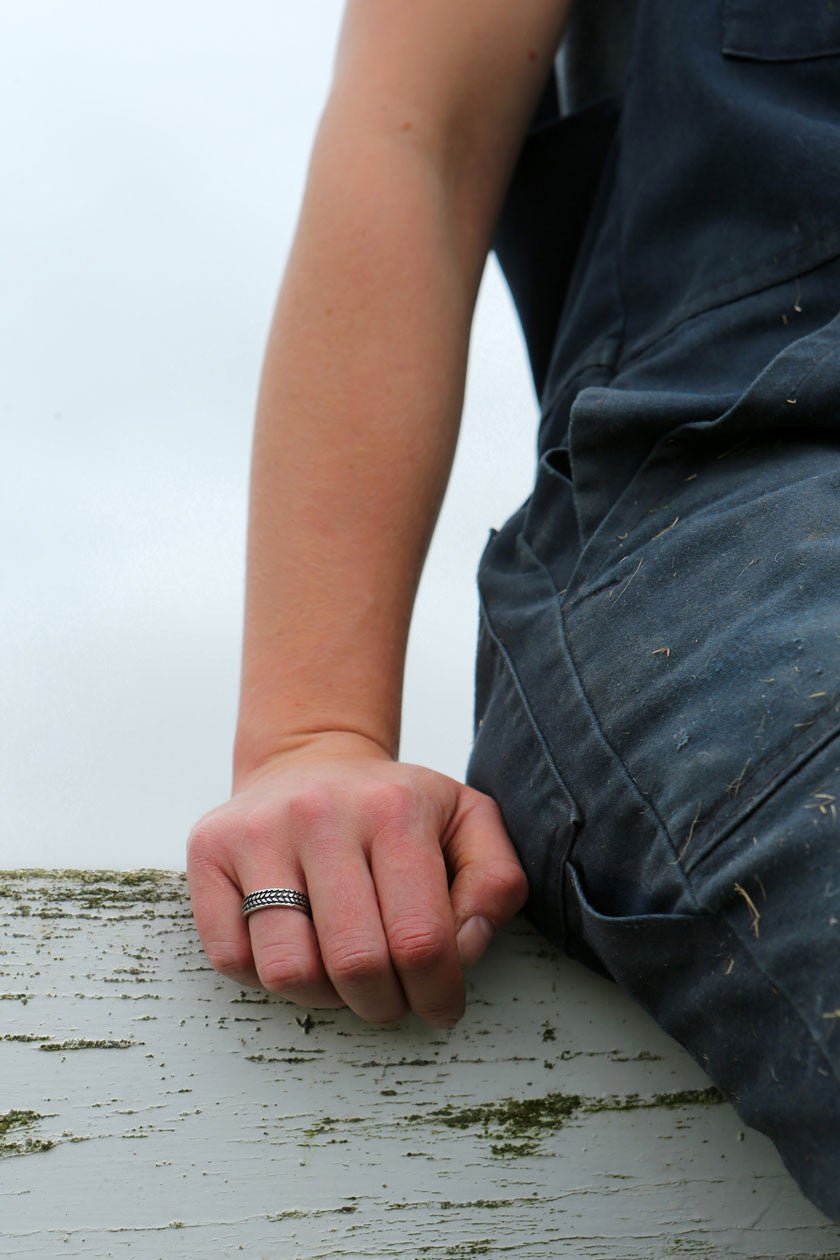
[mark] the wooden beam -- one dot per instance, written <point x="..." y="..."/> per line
<point x="150" y="1106"/>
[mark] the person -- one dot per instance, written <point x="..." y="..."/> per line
<point x="655" y="761"/>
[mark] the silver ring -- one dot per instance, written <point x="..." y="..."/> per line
<point x="276" y="897"/>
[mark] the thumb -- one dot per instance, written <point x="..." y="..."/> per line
<point x="489" y="884"/>
<point x="473" y="938"/>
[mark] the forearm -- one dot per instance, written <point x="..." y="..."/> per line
<point x="357" y="421"/>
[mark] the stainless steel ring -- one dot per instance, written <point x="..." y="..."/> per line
<point x="276" y="897"/>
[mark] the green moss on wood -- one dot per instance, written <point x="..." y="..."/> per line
<point x="461" y="1251"/>
<point x="268" y="1058"/>
<point x="13" y="1122"/>
<point x="83" y="1043"/>
<point x="17" y="1120"/>
<point x="708" y="1097"/>
<point x="93" y="889"/>
<point x="517" y="1124"/>
<point x="329" y="1122"/>
<point x="81" y="875"/>
<point x="516" y="1115"/>
<point x="302" y="1214"/>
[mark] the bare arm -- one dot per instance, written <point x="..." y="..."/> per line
<point x="357" y="420"/>
<point x="363" y="380"/>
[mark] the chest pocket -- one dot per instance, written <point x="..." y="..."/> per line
<point x="781" y="30"/>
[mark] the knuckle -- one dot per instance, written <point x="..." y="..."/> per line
<point x="514" y="879"/>
<point x="382" y="1021"/>
<point x="228" y="957"/>
<point x="260" y="828"/>
<point x="392" y="804"/>
<point x="288" y="974"/>
<point x="444" y="1016"/>
<point x="508" y="880"/>
<point x="204" y="840"/>
<point x="312" y="807"/>
<point x="416" y="945"/>
<point x="488" y="811"/>
<point x="356" y="961"/>
<point x="478" y="802"/>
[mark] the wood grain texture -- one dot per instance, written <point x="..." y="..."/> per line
<point x="150" y="1107"/>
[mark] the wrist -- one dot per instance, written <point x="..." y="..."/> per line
<point x="250" y="761"/>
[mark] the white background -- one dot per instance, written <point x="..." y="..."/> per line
<point x="153" y="160"/>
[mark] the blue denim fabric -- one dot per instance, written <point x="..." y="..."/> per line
<point x="657" y="704"/>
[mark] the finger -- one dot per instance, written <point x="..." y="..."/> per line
<point x="419" y="925"/>
<point x="283" y="938"/>
<point x="489" y="883"/>
<point x="350" y="932"/>
<point x="217" y="909"/>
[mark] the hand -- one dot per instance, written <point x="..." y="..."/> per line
<point x="397" y="860"/>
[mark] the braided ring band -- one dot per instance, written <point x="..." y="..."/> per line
<point x="276" y="897"/>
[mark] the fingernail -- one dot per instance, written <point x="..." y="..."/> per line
<point x="474" y="937"/>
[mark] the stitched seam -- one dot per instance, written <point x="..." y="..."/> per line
<point x="780" y="988"/>
<point x="651" y="918"/>
<point x="730" y="47"/>
<point x="656" y="450"/>
<point x="710" y="509"/>
<point x="634" y="787"/>
<point x="769" y="789"/>
<point x="576" y="815"/>
<point x="709" y="300"/>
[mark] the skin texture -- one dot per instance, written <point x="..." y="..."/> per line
<point x="357" y="421"/>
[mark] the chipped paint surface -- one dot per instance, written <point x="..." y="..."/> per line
<point x="179" y="1115"/>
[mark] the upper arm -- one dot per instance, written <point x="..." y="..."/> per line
<point x="459" y="78"/>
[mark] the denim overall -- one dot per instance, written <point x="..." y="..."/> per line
<point x="657" y="685"/>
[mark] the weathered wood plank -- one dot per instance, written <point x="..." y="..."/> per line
<point x="148" y="1106"/>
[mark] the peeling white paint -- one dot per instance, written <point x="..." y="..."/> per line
<point x="179" y="1115"/>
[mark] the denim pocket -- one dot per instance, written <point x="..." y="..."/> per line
<point x="695" y="976"/>
<point x="760" y="30"/>
<point x="706" y="629"/>
<point x="644" y="953"/>
<point x="510" y="762"/>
